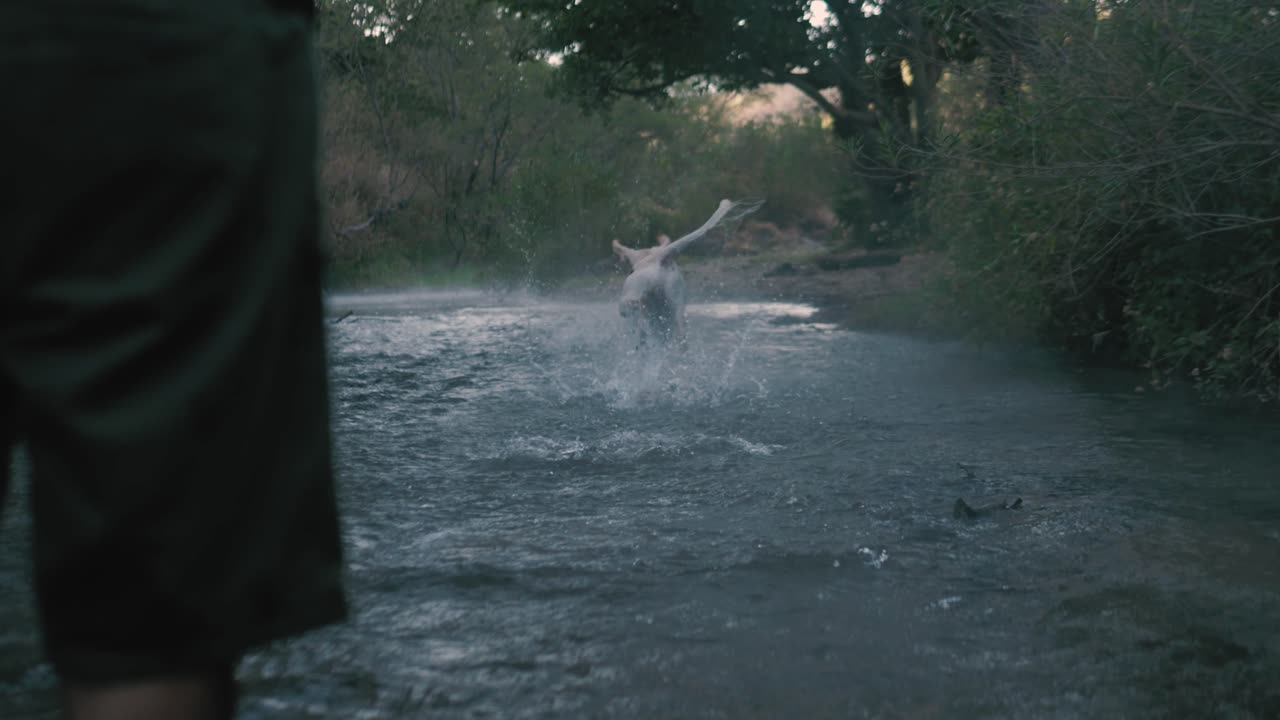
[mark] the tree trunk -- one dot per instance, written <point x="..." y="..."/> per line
<point x="887" y="186"/>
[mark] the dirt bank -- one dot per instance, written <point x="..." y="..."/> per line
<point x="858" y="290"/>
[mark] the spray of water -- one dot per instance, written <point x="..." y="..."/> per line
<point x="649" y="369"/>
<point x="620" y="360"/>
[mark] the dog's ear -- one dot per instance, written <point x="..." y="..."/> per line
<point x="624" y="252"/>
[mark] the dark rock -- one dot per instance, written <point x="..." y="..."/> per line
<point x="964" y="511"/>
<point x="783" y="270"/>
<point x="854" y="262"/>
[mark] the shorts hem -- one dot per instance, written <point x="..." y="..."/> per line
<point x="118" y="667"/>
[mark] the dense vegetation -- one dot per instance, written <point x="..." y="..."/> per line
<point x="1102" y="174"/>
<point x="1126" y="201"/>
<point x="448" y="159"/>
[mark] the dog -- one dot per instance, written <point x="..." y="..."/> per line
<point x="654" y="294"/>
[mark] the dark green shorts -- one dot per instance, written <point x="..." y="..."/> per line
<point x="162" y="347"/>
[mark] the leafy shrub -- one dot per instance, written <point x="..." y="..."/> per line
<point x="1126" y="202"/>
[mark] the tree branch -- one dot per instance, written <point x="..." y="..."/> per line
<point x="813" y="93"/>
<point x="1257" y="118"/>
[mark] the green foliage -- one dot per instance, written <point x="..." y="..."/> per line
<point x="444" y="149"/>
<point x="634" y="173"/>
<point x="1103" y="175"/>
<point x="871" y="67"/>
<point x="640" y="49"/>
<point x="1126" y="202"/>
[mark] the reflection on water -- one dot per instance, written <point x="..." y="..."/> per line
<point x="734" y="310"/>
<point x="543" y="520"/>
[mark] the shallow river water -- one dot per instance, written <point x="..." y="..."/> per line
<point x="543" y="521"/>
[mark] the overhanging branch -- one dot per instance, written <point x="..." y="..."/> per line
<point x="815" y="94"/>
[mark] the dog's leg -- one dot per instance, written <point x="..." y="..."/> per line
<point x="679" y="334"/>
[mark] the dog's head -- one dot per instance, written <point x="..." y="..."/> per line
<point x="635" y="257"/>
<point x="642" y="292"/>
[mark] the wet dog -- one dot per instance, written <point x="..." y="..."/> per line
<point x="654" y="295"/>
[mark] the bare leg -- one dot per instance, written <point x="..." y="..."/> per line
<point x="199" y="697"/>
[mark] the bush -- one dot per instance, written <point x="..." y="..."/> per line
<point x="1126" y="203"/>
<point x="442" y="151"/>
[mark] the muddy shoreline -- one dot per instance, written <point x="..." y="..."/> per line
<point x="886" y="292"/>
<point x="883" y="292"/>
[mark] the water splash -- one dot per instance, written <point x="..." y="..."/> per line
<point x="621" y="445"/>
<point x="946" y="602"/>
<point x="872" y="558"/>
<point x="598" y="358"/>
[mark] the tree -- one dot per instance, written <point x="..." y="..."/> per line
<point x="426" y="99"/>
<point x="445" y="156"/>
<point x="1123" y="200"/>
<point x="872" y="67"/>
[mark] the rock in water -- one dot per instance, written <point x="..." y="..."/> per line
<point x="964" y="511"/>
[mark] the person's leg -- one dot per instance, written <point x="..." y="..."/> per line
<point x="8" y="406"/>
<point x="208" y="696"/>
<point x="167" y="337"/>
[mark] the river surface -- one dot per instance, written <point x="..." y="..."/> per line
<point x="543" y="521"/>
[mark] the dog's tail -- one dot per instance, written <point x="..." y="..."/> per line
<point x="728" y="211"/>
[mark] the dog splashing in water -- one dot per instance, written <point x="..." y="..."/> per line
<point x="654" y="295"/>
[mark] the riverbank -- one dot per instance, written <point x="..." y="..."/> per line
<point x="865" y="291"/>
<point x="883" y="291"/>
<point x="855" y="290"/>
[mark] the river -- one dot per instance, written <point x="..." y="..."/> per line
<point x="544" y="521"/>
